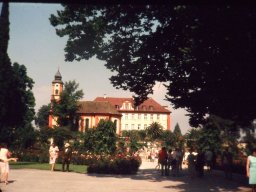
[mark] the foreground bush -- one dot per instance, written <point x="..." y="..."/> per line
<point x="120" y="164"/>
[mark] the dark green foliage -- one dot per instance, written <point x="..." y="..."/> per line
<point x="66" y="108"/>
<point x="177" y="130"/>
<point x="60" y="135"/>
<point x="215" y="134"/>
<point x="204" y="54"/>
<point x="101" y="139"/>
<point x="16" y="98"/>
<point x="42" y="117"/>
<point x="139" y="135"/>
<point x="169" y="139"/>
<point x="115" y="165"/>
<point x="154" y="131"/>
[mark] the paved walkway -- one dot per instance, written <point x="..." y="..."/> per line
<point x="148" y="179"/>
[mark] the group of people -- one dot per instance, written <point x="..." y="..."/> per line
<point x="173" y="160"/>
<point x="66" y="156"/>
<point x="170" y="160"/>
<point x="197" y="162"/>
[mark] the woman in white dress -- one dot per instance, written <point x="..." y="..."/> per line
<point x="5" y="155"/>
<point x="53" y="153"/>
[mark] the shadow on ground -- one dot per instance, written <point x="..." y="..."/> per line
<point x="214" y="181"/>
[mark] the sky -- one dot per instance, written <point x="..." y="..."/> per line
<point x="34" y="43"/>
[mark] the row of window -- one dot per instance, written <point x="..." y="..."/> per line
<point x="128" y="106"/>
<point x="134" y="116"/>
<point x="134" y="126"/>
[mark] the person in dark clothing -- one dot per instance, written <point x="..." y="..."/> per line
<point x="163" y="161"/>
<point x="227" y="163"/>
<point x="66" y="157"/>
<point x="200" y="164"/>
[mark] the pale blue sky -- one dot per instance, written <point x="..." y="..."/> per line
<point x="33" y="43"/>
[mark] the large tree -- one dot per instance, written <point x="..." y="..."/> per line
<point x="204" y="54"/>
<point x="16" y="98"/>
<point x="42" y="117"/>
<point x="66" y="108"/>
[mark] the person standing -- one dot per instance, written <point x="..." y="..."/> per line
<point x="53" y="154"/>
<point x="169" y="161"/>
<point x="66" y="157"/>
<point x="200" y="163"/>
<point x="209" y="159"/>
<point x="251" y="169"/>
<point x="5" y="155"/>
<point x="191" y="164"/>
<point x="175" y="163"/>
<point x="227" y="163"/>
<point x="163" y="160"/>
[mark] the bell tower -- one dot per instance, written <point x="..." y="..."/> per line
<point x="57" y="88"/>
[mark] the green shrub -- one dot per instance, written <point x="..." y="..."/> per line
<point x="119" y="164"/>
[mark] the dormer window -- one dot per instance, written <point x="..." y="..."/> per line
<point x="117" y="106"/>
<point x="56" y="92"/>
<point x="144" y="107"/>
<point x="151" y="108"/>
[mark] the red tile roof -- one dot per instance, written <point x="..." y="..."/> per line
<point x="150" y="105"/>
<point x="97" y="108"/>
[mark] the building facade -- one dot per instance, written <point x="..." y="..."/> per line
<point x="121" y="111"/>
<point x="138" y="118"/>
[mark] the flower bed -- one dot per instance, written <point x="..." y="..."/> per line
<point x="119" y="164"/>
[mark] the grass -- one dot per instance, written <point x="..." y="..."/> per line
<point x="46" y="166"/>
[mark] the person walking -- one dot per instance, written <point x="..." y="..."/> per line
<point x="227" y="163"/>
<point x="53" y="154"/>
<point x="208" y="160"/>
<point x="66" y="157"/>
<point x="200" y="163"/>
<point x="5" y="155"/>
<point x="163" y="160"/>
<point x="191" y="164"/>
<point x="169" y="161"/>
<point x="251" y="169"/>
<point x="175" y="162"/>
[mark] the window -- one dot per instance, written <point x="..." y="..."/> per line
<point x="138" y="116"/>
<point x="132" y="126"/>
<point x="158" y="117"/>
<point x="151" y="117"/>
<point x="138" y="126"/>
<point x="126" y="126"/>
<point x="126" y="116"/>
<point x="145" y="116"/>
<point x="117" y="106"/>
<point x="132" y="116"/>
<point x="56" y="92"/>
<point x="126" y="106"/>
<point x="145" y="126"/>
<point x="86" y="124"/>
<point x="151" y="108"/>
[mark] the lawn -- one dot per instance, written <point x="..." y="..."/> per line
<point x="46" y="166"/>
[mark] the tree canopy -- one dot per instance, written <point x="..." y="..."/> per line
<point x="203" y="54"/>
<point x="66" y="108"/>
<point x="42" y="117"/>
<point x="16" y="97"/>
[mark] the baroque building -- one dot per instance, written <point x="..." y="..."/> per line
<point x="121" y="111"/>
<point x="140" y="117"/>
